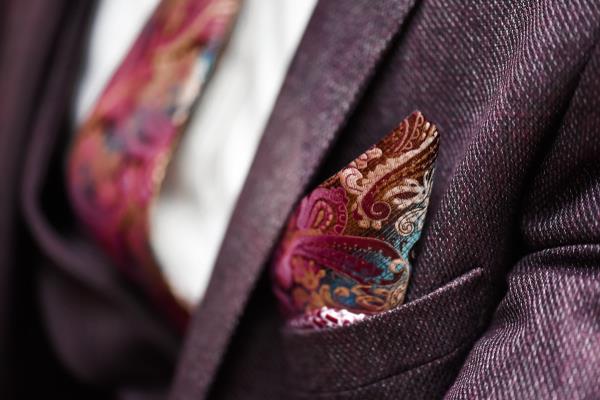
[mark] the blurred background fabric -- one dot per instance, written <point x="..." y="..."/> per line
<point x="209" y="168"/>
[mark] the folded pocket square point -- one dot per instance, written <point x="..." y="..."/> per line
<point x="345" y="252"/>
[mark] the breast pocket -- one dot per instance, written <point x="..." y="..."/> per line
<point x="401" y="353"/>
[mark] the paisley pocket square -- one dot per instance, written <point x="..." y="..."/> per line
<point x="345" y="252"/>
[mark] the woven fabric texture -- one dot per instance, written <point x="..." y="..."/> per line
<point x="503" y="299"/>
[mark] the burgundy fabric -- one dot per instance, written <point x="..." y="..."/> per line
<point x="503" y="301"/>
<point x="500" y="80"/>
<point x="69" y="326"/>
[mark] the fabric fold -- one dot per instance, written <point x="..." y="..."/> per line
<point x="345" y="253"/>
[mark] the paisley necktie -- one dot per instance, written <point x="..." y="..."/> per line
<point x="120" y="154"/>
<point x="345" y="253"/>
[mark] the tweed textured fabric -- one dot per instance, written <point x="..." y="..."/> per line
<point x="503" y="298"/>
<point x="516" y="180"/>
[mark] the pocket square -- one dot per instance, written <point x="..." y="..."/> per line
<point x="345" y="251"/>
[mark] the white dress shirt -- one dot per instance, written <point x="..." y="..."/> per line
<point x="208" y="170"/>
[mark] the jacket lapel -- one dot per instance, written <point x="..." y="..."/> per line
<point x="339" y="52"/>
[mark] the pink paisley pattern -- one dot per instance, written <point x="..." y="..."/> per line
<point x="120" y="154"/>
<point x="345" y="252"/>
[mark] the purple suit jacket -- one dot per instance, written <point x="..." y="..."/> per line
<point x="504" y="299"/>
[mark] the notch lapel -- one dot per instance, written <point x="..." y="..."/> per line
<point x="339" y="52"/>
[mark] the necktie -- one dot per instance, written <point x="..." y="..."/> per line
<point x="120" y="153"/>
